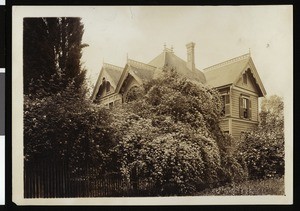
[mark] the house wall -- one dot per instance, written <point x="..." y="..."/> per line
<point x="233" y="122"/>
<point x="224" y="124"/>
<point x="239" y="126"/>
<point x="235" y="100"/>
<point x="114" y="98"/>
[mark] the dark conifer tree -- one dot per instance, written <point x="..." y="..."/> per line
<point x="52" y="52"/>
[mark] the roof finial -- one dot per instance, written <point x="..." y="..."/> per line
<point x="249" y="51"/>
<point x="165" y="46"/>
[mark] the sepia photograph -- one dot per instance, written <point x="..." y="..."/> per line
<point x="170" y="104"/>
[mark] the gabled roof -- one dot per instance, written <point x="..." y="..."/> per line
<point x="222" y="74"/>
<point x="112" y="72"/>
<point x="226" y="72"/>
<point x="144" y="71"/>
<point x="229" y="72"/>
<point x="168" y="58"/>
<point x="140" y="71"/>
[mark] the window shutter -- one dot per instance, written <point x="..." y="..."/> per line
<point x="227" y="104"/>
<point x="241" y="107"/>
<point x="249" y="110"/>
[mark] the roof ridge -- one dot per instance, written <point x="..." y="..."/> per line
<point x="230" y="61"/>
<point x="112" y="66"/>
<point x="140" y="64"/>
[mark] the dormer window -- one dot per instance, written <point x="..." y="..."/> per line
<point x="245" y="78"/>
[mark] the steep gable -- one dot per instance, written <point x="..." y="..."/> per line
<point x="247" y="81"/>
<point x="111" y="73"/>
<point x="139" y="71"/>
<point x="227" y="72"/>
<point x="254" y="76"/>
<point x="231" y="72"/>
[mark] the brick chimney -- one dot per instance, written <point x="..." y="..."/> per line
<point x="190" y="56"/>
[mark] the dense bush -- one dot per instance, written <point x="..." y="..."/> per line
<point x="170" y="137"/>
<point x="263" y="148"/>
<point x="66" y="127"/>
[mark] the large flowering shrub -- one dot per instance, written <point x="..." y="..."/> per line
<point x="170" y="138"/>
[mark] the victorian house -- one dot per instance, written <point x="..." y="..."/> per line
<point x="236" y="79"/>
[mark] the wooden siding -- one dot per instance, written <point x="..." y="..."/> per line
<point x="235" y="100"/>
<point x="239" y="126"/>
<point x="224" y="124"/>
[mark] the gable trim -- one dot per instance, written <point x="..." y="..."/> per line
<point x="227" y="62"/>
<point x="250" y="65"/>
<point x="125" y="73"/>
<point x="122" y="78"/>
<point x="96" y="88"/>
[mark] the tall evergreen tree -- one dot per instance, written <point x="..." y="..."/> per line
<point x="52" y="53"/>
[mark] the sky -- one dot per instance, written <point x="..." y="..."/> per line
<point x="219" y="32"/>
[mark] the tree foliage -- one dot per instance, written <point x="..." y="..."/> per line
<point x="60" y="124"/>
<point x="51" y="54"/>
<point x="65" y="127"/>
<point x="263" y="148"/>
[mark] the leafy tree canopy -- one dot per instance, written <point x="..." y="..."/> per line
<point x="263" y="148"/>
<point x="51" y="54"/>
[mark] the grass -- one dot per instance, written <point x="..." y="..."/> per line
<point x="274" y="186"/>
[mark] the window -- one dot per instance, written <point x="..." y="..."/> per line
<point x="226" y="104"/>
<point x="245" y="107"/>
<point x="110" y="105"/>
<point x="107" y="85"/>
<point x="245" y="78"/>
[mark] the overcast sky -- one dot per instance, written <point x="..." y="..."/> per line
<point x="219" y="32"/>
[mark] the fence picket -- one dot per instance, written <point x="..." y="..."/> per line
<point x="52" y="180"/>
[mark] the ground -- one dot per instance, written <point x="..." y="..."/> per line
<point x="273" y="186"/>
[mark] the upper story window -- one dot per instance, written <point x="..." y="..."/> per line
<point x="107" y="86"/>
<point x="245" y="107"/>
<point x="226" y="104"/>
<point x="245" y="78"/>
